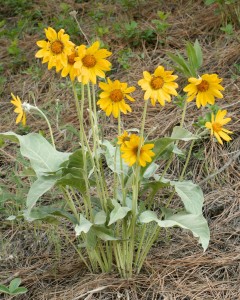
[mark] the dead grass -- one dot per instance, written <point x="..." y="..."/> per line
<point x="178" y="269"/>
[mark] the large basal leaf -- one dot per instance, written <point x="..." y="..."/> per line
<point x="44" y="159"/>
<point x="197" y="224"/>
<point x="191" y="195"/>
<point x="42" y="155"/>
<point x="48" y="213"/>
<point x="38" y="188"/>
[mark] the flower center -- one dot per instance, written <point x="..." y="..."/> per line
<point x="71" y="57"/>
<point x="89" y="61"/>
<point x="157" y="83"/>
<point x="203" y="86"/>
<point x="57" y="47"/>
<point x="217" y="127"/>
<point x="116" y="95"/>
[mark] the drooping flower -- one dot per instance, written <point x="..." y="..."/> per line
<point x="204" y="89"/>
<point x="130" y="151"/>
<point x="216" y="126"/>
<point x="125" y="137"/>
<point x="91" y="63"/>
<point x="69" y="69"/>
<point x="56" y="49"/>
<point x="159" y="86"/>
<point x="112" y="99"/>
<point x="16" y="101"/>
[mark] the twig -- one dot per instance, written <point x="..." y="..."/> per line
<point x="221" y="169"/>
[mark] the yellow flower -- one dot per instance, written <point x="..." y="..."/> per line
<point x="56" y="49"/>
<point x="159" y="86"/>
<point x="125" y="137"/>
<point x="130" y="151"/>
<point x="69" y="69"/>
<point x="19" y="110"/>
<point x="204" y="89"/>
<point x="91" y="63"/>
<point x="216" y="126"/>
<point x="112" y="98"/>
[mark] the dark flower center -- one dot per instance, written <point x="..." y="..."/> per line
<point x="157" y="83"/>
<point x="57" y="47"/>
<point x="116" y="95"/>
<point x="203" y="86"/>
<point x="89" y="61"/>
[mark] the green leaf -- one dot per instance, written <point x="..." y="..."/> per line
<point x="150" y="171"/>
<point x="73" y="177"/>
<point x="182" y="64"/>
<point x="197" y="224"/>
<point x="83" y="226"/>
<point x="42" y="155"/>
<point x="198" y="52"/>
<point x="38" y="188"/>
<point x="155" y="186"/>
<point x="161" y="147"/>
<point x="191" y="195"/>
<point x="14" y="284"/>
<point x="4" y="289"/>
<point x="20" y="290"/>
<point x="104" y="233"/>
<point x="46" y="212"/>
<point x="182" y="134"/>
<point x="118" y="213"/>
<point x="112" y="155"/>
<point x="43" y="158"/>
<point x="100" y="218"/>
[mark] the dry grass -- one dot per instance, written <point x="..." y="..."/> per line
<point x="178" y="269"/>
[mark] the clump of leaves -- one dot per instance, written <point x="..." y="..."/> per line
<point x="14" y="288"/>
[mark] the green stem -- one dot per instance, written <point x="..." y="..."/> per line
<point x="172" y="154"/>
<point x="94" y="125"/>
<point x="149" y="244"/>
<point x="48" y="123"/>
<point x="70" y="203"/>
<point x="87" y="200"/>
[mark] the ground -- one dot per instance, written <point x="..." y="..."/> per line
<point x="176" y="268"/>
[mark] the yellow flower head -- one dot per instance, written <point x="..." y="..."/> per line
<point x="19" y="110"/>
<point x="130" y="151"/>
<point x="204" y="89"/>
<point x="56" y="49"/>
<point x="69" y="69"/>
<point x="125" y="137"/>
<point x="216" y="126"/>
<point x="159" y="86"/>
<point x="112" y="99"/>
<point x="91" y="63"/>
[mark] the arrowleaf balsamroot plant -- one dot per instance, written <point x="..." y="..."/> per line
<point x="115" y="223"/>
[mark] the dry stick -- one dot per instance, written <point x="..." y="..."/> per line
<point x="221" y="169"/>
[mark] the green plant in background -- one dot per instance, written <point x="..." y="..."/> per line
<point x="124" y="58"/>
<point x="228" y="29"/>
<point x="194" y="60"/>
<point x="116" y="223"/>
<point x="229" y="10"/>
<point x="161" y="23"/>
<point x="14" y="288"/>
